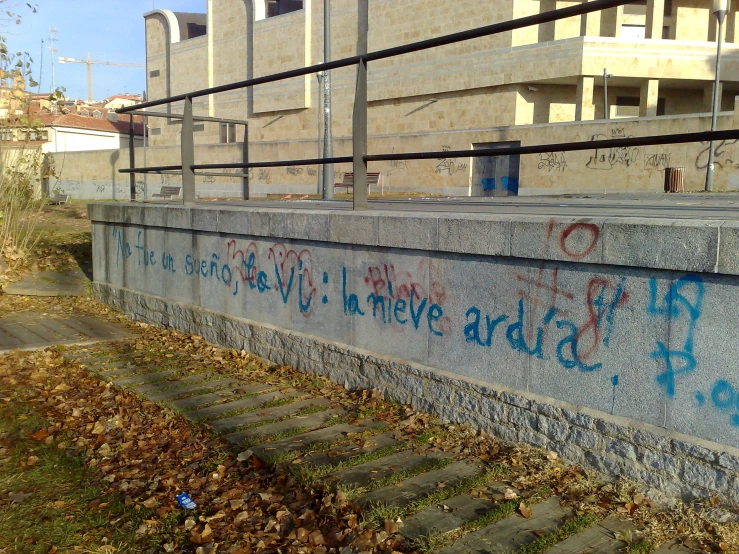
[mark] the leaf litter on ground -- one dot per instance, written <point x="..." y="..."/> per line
<point x="141" y="456"/>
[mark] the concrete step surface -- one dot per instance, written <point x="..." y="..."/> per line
<point x="298" y="423"/>
<point x="249" y="403"/>
<point x="513" y="532"/>
<point x="598" y="539"/>
<point x="364" y="474"/>
<point x="318" y="437"/>
<point x="189" y="389"/>
<point x="345" y="453"/>
<point x="422" y="485"/>
<point x="450" y="515"/>
<point x="267" y="414"/>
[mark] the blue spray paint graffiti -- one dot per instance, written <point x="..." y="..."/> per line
<point x="684" y="296"/>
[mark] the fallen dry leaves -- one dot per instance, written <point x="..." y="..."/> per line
<point x="143" y="456"/>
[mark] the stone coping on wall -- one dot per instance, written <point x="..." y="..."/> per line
<point x="692" y="245"/>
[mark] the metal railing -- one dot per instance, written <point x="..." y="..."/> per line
<point x="360" y="156"/>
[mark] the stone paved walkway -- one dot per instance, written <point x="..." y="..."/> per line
<point x="431" y="492"/>
<point x="32" y="330"/>
<point x="74" y="282"/>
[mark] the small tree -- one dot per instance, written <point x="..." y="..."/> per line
<point x="22" y="163"/>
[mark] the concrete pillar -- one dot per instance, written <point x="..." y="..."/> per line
<point x="736" y="112"/>
<point x="731" y="26"/>
<point x="708" y="96"/>
<point x="546" y="30"/>
<point x="584" y="107"/>
<point x="590" y="23"/>
<point x="648" y="98"/>
<point x="655" y="18"/>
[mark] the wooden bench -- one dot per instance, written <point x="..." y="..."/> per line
<point x="59" y="199"/>
<point x="348" y="182"/>
<point x="167" y="192"/>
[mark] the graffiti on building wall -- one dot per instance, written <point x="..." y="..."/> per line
<point x="659" y="161"/>
<point x="552" y="161"/>
<point x="449" y="166"/>
<point x="606" y="158"/>
<point x="575" y="325"/>
<point x="721" y="154"/>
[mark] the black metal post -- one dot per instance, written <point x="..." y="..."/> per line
<point x="245" y="159"/>
<point x="132" y="157"/>
<point x="188" y="155"/>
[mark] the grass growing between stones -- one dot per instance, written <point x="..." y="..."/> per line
<point x="276" y="403"/>
<point x="570" y="527"/>
<point x="309" y="474"/>
<point x="397" y="477"/>
<point x="499" y="513"/>
<point x="287" y="433"/>
<point x="289" y="456"/>
<point x="640" y="548"/>
<point x="379" y="513"/>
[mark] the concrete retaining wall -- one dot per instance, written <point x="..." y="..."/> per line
<point x="613" y="342"/>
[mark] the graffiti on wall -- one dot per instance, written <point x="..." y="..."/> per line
<point x="721" y="154"/>
<point x="575" y="325"/>
<point x="449" y="166"/>
<point x="552" y="161"/>
<point x="605" y="158"/>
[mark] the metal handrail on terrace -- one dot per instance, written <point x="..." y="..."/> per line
<point x="360" y="156"/>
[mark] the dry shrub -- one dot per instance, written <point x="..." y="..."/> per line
<point x="20" y="203"/>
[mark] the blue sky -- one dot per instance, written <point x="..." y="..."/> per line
<point x="110" y="30"/>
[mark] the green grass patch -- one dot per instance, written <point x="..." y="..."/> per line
<point x="642" y="547"/>
<point x="53" y="508"/>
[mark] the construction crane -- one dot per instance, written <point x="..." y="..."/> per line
<point x="89" y="64"/>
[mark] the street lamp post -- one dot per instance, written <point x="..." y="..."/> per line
<point x="720" y="7"/>
<point x="328" y="146"/>
<point x="606" y="76"/>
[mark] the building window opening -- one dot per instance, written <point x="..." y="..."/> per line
<point x="227" y="132"/>
<point x="279" y="7"/>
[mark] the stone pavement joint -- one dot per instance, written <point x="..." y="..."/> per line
<point x="314" y="433"/>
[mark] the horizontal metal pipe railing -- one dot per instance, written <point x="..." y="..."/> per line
<point x="479" y="32"/>
<point x="653" y="140"/>
<point x="359" y="134"/>
<point x="194" y="118"/>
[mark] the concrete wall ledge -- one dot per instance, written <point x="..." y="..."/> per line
<point x="657" y="243"/>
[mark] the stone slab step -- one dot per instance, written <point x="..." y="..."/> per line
<point x="318" y="437"/>
<point x="307" y="422"/>
<point x="191" y="390"/>
<point x="257" y="416"/>
<point x="362" y="475"/>
<point x="511" y="533"/>
<point x="144" y="378"/>
<point x="449" y="515"/>
<point x="152" y="384"/>
<point x="248" y="403"/>
<point x="200" y="400"/>
<point x="597" y="539"/>
<point x="347" y="452"/>
<point x="420" y="486"/>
